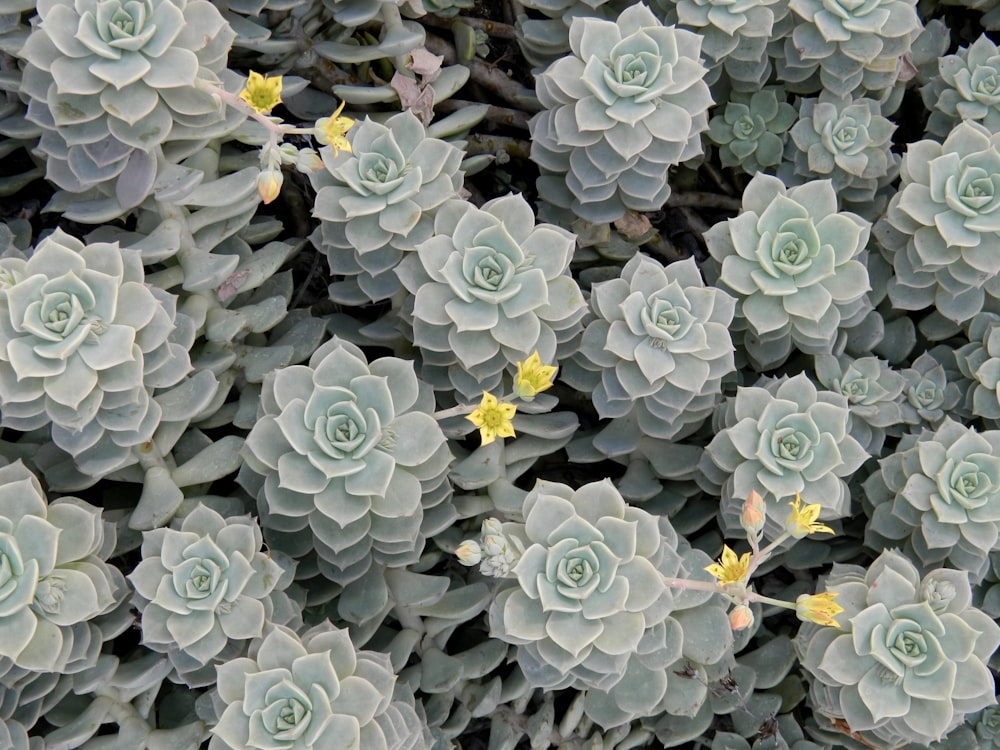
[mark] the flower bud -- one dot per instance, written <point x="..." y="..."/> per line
<point x="469" y="553"/>
<point x="492" y="526"/>
<point x="269" y="184"/>
<point x="754" y="514"/>
<point x="740" y="617"/>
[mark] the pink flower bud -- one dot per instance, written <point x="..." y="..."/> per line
<point x="740" y="617"/>
<point x="754" y="513"/>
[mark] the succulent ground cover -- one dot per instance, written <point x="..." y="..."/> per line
<point x="439" y="374"/>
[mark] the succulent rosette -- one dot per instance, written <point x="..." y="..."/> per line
<point x="931" y="389"/>
<point x="967" y="87"/>
<point x="796" y="265"/>
<point x="852" y="44"/>
<point x="847" y="140"/>
<point x="110" y="81"/>
<point x="83" y="343"/>
<point x="53" y="574"/>
<point x="874" y="392"/>
<point x="784" y="438"/>
<point x="488" y="290"/>
<point x="590" y="608"/>
<point x="939" y="496"/>
<point x="378" y="200"/>
<point x="941" y="228"/>
<point x="312" y="692"/>
<point x="979" y="362"/>
<point x="752" y="130"/>
<point x="630" y="102"/>
<point x="204" y="586"/>
<point x="908" y="661"/>
<point x="660" y="343"/>
<point x="351" y="452"/>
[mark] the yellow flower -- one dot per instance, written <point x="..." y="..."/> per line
<point x="263" y="93"/>
<point x="493" y="419"/>
<point x="330" y="131"/>
<point x="819" y="608"/>
<point x="731" y="569"/>
<point x="802" y="522"/>
<point x="533" y="377"/>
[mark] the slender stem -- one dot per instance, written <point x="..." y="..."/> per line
<point x="690" y="585"/>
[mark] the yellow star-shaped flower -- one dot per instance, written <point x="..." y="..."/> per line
<point x="493" y="419"/>
<point x="263" y="93"/>
<point x="533" y="377"/>
<point x="730" y="568"/>
<point x="819" y="608"/>
<point x="802" y="521"/>
<point x="331" y="131"/>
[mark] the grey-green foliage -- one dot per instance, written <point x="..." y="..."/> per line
<point x="779" y="439"/>
<point x="967" y="87"/>
<point x="874" y="393"/>
<point x="110" y="83"/>
<point x="83" y="344"/>
<point x="979" y="361"/>
<point x="203" y="586"/>
<point x="53" y="571"/>
<point x="941" y="228"/>
<point x="938" y="496"/>
<point x="379" y="200"/>
<point x="349" y="453"/>
<point x="311" y="692"/>
<point x="590" y="608"/>
<point x="908" y="661"/>
<point x="795" y="264"/>
<point x="847" y="140"/>
<point x="487" y="290"/>
<point x="629" y="103"/>
<point x="932" y="387"/>
<point x="734" y="36"/>
<point x="660" y="345"/>
<point x="752" y="130"/>
<point x="852" y="45"/>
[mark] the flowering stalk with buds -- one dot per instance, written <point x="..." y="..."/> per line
<point x="732" y="573"/>
<point x="260" y="95"/>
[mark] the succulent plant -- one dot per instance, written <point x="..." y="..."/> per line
<point x="629" y="103"/>
<point x="488" y="290"/>
<point x="941" y="227"/>
<point x="908" y="662"/>
<point x="979" y="361"/>
<point x="111" y="82"/>
<point x="874" y="393"/>
<point x="203" y="586"/>
<point x="931" y="389"/>
<point x="590" y="607"/>
<point x="796" y="266"/>
<point x="939" y="496"/>
<point x="378" y="200"/>
<point x="987" y="727"/>
<point x="967" y="87"/>
<point x="847" y="140"/>
<point x="660" y="345"/>
<point x="853" y="45"/>
<point x="783" y="438"/>
<point x="83" y="343"/>
<point x="311" y="692"/>
<point x="55" y="578"/>
<point x="350" y="452"/>
<point x="752" y="130"/>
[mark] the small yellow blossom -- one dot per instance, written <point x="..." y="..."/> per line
<point x="802" y="522"/>
<point x="263" y="93"/>
<point x="533" y="377"/>
<point x="819" y="608"/>
<point x="331" y="131"/>
<point x="754" y="514"/>
<point x="731" y="569"/>
<point x="493" y="419"/>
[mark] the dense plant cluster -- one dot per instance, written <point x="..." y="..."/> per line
<point x="564" y="374"/>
